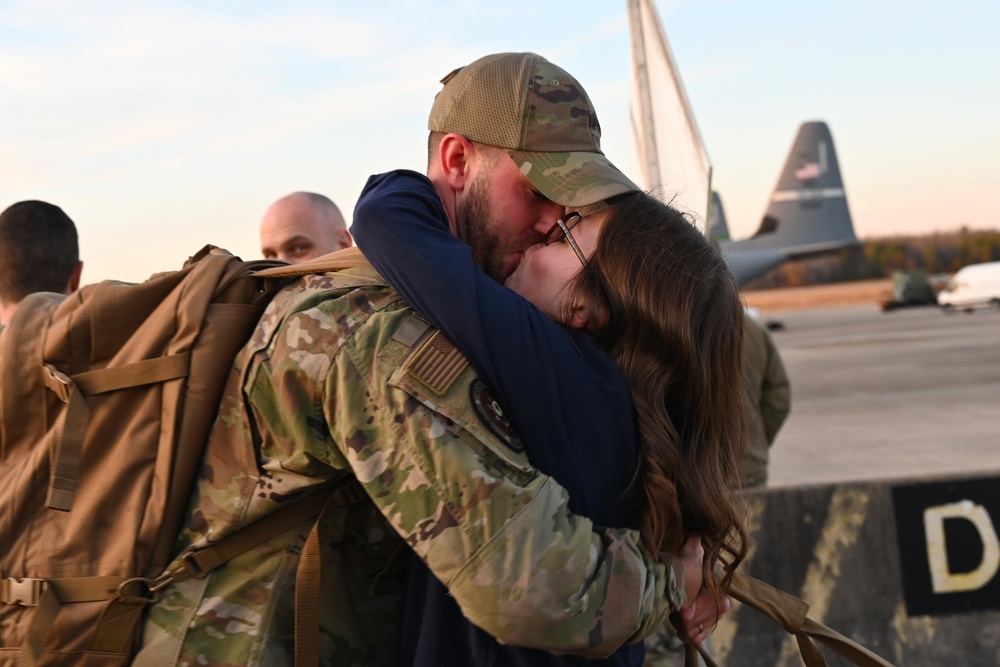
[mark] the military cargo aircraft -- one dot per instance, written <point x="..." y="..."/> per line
<point x="807" y="214"/>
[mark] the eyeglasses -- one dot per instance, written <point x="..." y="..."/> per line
<point x="561" y="229"/>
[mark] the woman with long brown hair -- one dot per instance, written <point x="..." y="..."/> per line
<point x="657" y="296"/>
<point x="635" y="279"/>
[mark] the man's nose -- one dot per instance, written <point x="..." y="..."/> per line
<point x="547" y="217"/>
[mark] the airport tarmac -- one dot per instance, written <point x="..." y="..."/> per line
<point x="911" y="393"/>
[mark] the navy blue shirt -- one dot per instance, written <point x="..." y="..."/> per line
<point x="566" y="400"/>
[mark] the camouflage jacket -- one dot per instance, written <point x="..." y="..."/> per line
<point x="769" y="388"/>
<point x="341" y="376"/>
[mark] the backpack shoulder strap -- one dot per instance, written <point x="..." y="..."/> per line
<point x="340" y="493"/>
<point x="199" y="562"/>
<point x="348" y="258"/>
<point x="791" y="614"/>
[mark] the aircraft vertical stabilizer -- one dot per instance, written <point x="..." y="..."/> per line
<point x="807" y="214"/>
<point x="718" y="228"/>
<point x="672" y="156"/>
<point x="809" y="205"/>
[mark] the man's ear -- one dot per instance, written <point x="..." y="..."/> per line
<point x="74" y="278"/>
<point x="456" y="155"/>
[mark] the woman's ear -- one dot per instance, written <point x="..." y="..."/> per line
<point x="588" y="318"/>
<point x="578" y="317"/>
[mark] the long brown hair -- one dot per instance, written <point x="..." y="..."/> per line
<point x="673" y="322"/>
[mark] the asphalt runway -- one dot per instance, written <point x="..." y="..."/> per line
<point x="912" y="393"/>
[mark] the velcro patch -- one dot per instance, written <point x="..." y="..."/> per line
<point x="492" y="416"/>
<point x="437" y="363"/>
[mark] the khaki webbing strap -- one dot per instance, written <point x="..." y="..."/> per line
<point x="691" y="654"/>
<point x="769" y="600"/>
<point x="260" y="531"/>
<point x="54" y="593"/>
<point x="38" y="630"/>
<point x="85" y="589"/>
<point x="67" y="442"/>
<point x="198" y="563"/>
<point x="67" y="447"/>
<point x="147" y="371"/>
<point x="307" y="593"/>
<point x="790" y="613"/>
<point x="843" y="646"/>
<point x="348" y="258"/>
<point x="71" y="589"/>
<point x="119" y="619"/>
<point x="344" y="491"/>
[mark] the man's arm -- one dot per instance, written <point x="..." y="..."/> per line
<point x="491" y="527"/>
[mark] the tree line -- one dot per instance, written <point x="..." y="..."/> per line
<point x="937" y="253"/>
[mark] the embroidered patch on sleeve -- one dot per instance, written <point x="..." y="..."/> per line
<point x="492" y="416"/>
<point x="437" y="364"/>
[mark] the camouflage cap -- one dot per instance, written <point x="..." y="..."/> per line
<point x="541" y="115"/>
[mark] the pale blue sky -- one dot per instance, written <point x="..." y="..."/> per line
<point x="162" y="126"/>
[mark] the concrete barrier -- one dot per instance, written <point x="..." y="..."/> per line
<point x="908" y="568"/>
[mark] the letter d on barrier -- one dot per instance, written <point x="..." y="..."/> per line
<point x="942" y="578"/>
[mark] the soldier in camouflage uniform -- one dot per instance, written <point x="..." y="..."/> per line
<point x="401" y="420"/>
<point x="770" y="391"/>
<point x="341" y="377"/>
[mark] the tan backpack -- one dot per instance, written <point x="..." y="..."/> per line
<point x="106" y="401"/>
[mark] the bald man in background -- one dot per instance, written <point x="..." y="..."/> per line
<point x="301" y="226"/>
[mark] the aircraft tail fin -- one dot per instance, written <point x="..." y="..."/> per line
<point x="718" y="228"/>
<point x="808" y="212"/>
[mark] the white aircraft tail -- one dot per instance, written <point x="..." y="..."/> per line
<point x="672" y="155"/>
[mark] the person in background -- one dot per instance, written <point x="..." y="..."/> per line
<point x="39" y="252"/>
<point x="301" y="226"/>
<point x="770" y="396"/>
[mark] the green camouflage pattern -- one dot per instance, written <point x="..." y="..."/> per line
<point x="324" y="387"/>
<point x="574" y="180"/>
<point x="542" y="115"/>
<point x="560" y="121"/>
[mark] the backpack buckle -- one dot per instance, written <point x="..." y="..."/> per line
<point x="24" y="592"/>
